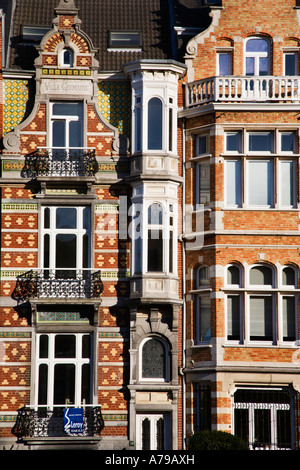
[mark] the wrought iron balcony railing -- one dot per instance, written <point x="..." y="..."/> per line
<point x="239" y="89"/>
<point x="37" y="422"/>
<point x="59" y="284"/>
<point x="70" y="162"/>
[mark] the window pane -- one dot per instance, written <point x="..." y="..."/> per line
<point x="249" y="65"/>
<point x="261" y="275"/>
<point x="65" y="251"/>
<point x="153" y="360"/>
<point x="44" y="340"/>
<point x="225" y="64"/>
<point x="66" y="217"/>
<point x="233" y="317"/>
<point x="155" y="214"/>
<point x="86" y="384"/>
<point x="261" y="327"/>
<point x="86" y="346"/>
<point x="202" y="144"/>
<point x="284" y="437"/>
<point x="59" y="134"/>
<point x="261" y="142"/>
<point x="138" y="129"/>
<point x="288" y="319"/>
<point x="155" y="250"/>
<point x="203" y="276"/>
<point x="203" y="318"/>
<point x="65" y="346"/>
<point x="261" y="185"/>
<point x="233" y="141"/>
<point x="75" y="134"/>
<point x="287" y="142"/>
<point x="155" y="124"/>
<point x="263" y="66"/>
<point x="67" y="109"/>
<point x="256" y="45"/>
<point x="233" y="275"/>
<point x="170" y="129"/>
<point x="290" y="65"/>
<point x="43" y="384"/>
<point x="64" y="384"/>
<point x="287" y="187"/>
<point x="233" y="182"/>
<point x="288" y="277"/>
<point x="262" y="421"/>
<point x="204" y="182"/>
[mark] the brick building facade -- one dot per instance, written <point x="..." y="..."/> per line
<point x="242" y="145"/>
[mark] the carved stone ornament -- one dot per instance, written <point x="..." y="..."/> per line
<point x="11" y="142"/>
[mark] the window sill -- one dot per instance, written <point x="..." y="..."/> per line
<point x="201" y="346"/>
<point x="261" y="345"/>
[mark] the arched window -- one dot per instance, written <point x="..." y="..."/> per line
<point x="257" y="56"/>
<point x="154" y="360"/>
<point x="233" y="275"/>
<point x="202" y="279"/>
<point x="155" y="124"/>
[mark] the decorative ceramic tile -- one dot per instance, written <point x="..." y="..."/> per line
<point x="115" y="104"/>
<point x="17" y="102"/>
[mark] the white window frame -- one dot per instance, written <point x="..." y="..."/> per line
<point x="257" y="55"/>
<point x="294" y="53"/>
<point x="228" y="53"/>
<point x="168" y="229"/>
<point x="277" y="291"/>
<point x="51" y="361"/>
<point x="153" y="418"/>
<point x="67" y="119"/>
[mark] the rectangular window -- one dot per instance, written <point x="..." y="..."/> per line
<point x="66" y="239"/>
<point x="233" y="182"/>
<point x="64" y="369"/>
<point x="260" y="183"/>
<point x="124" y="39"/>
<point x="202" y="145"/>
<point x="291" y="63"/>
<point x="203" y="332"/>
<point x="224" y="63"/>
<point x="203" y="183"/>
<point x="233" y="317"/>
<point x="203" y="406"/>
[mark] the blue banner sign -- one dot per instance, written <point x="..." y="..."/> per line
<point x="73" y="420"/>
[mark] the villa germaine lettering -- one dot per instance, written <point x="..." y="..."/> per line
<point x="66" y="86"/>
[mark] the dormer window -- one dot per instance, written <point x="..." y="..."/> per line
<point x="124" y="40"/>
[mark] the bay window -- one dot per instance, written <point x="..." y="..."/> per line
<point x="154" y="233"/>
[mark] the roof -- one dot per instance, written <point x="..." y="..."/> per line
<point x="98" y="17"/>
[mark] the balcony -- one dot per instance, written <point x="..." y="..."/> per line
<point x="42" y="422"/>
<point x="235" y="89"/>
<point x="59" y="284"/>
<point x="61" y="162"/>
